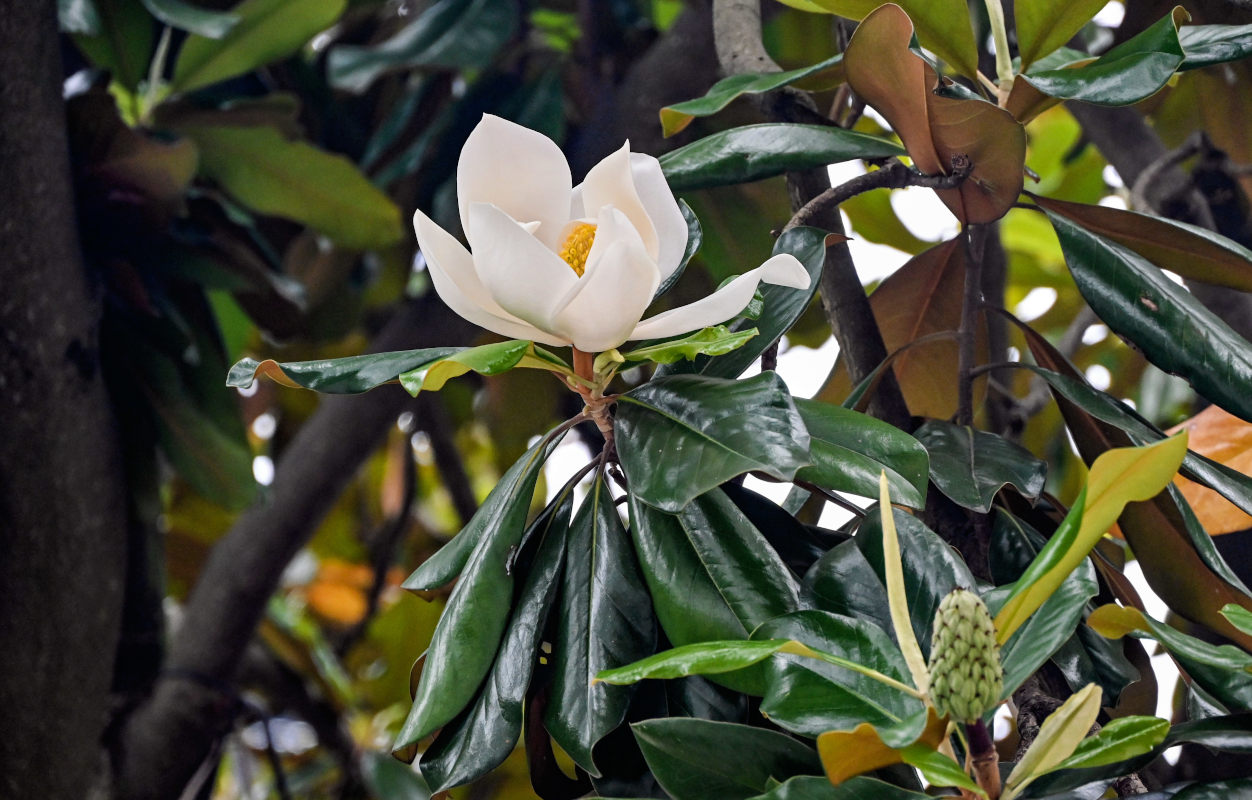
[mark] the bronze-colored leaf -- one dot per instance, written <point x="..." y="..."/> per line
<point x="1226" y="439"/>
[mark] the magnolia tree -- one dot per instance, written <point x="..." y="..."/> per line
<point x="658" y="625"/>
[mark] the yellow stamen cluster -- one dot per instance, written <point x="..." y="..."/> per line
<point x="577" y="245"/>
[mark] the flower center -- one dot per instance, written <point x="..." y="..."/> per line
<point x="577" y="245"/>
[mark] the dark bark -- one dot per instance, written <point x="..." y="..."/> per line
<point x="62" y="552"/>
<point x="160" y="745"/>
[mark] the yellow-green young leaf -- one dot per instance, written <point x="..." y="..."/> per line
<point x="1058" y="738"/>
<point x="1044" y="25"/>
<point x="896" y="592"/>
<point x="488" y="359"/>
<point x="943" y="26"/>
<point x="846" y="754"/>
<point x="1119" y="476"/>
<point x="274" y="175"/>
<point x="267" y="30"/>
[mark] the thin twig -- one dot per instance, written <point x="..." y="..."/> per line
<point x="975" y="237"/>
<point x="833" y="497"/>
<point x="895" y="175"/>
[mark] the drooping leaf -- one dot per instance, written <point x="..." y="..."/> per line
<point x="694" y="759"/>
<point x="1206" y="45"/>
<point x="193" y="19"/>
<point x="481" y="738"/>
<point x="682" y="435"/>
<point x="487" y="359"/>
<point x="714" y="341"/>
<point x="971" y="466"/>
<point x="505" y="506"/>
<point x="1121" y="739"/>
<point x="1058" y="738"/>
<point x="711" y="574"/>
<point x="1045" y="25"/>
<point x="450" y="34"/>
<point x="677" y="117"/>
<point x="753" y="152"/>
<point x="938" y="769"/>
<point x="1132" y="71"/>
<point x="882" y="69"/>
<point x="605" y="621"/>
<point x="350" y="375"/>
<point x="1224" y="671"/>
<point x="846" y="754"/>
<point x="271" y="174"/>
<point x="1188" y="250"/>
<point x="1117" y="477"/>
<point x="850" y="450"/>
<point x="266" y="31"/>
<point x="1172" y="328"/>
<point x="920" y="299"/>
<point x="810" y="696"/>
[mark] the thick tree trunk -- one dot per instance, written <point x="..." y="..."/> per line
<point x="62" y="548"/>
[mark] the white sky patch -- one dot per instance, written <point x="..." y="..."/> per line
<point x="1112" y="177"/>
<point x="1035" y="304"/>
<point x="924" y="214"/>
<point x="263" y="470"/>
<point x="264" y="425"/>
<point x="569" y="456"/>
<point x="1113" y="201"/>
<point x="1175" y="277"/>
<point x="1094" y="334"/>
<point x="1110" y="16"/>
<point x="1163" y="667"/>
<point x="1099" y="376"/>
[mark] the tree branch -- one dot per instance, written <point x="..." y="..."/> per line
<point x="62" y="492"/>
<point x="895" y="175"/>
<point x="160" y="745"/>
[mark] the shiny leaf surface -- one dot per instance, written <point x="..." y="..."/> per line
<point x="682" y="435"/>
<point x="1119" y="740"/>
<point x="804" y="787"/>
<point x="1059" y="736"/>
<point x="971" y="466"/>
<point x="487" y="359"/>
<point x="350" y="375"/>
<point x="754" y="152"/>
<point x="1045" y="25"/>
<point x="713" y="341"/>
<point x="1206" y="45"/>
<point x="193" y="19"/>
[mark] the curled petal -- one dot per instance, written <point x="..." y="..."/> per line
<point x="782" y="270"/>
<point x="619" y="283"/>
<point x="520" y="171"/>
<point x="452" y="272"/>
<point x="611" y="183"/>
<point x="661" y="207"/>
<point x="527" y="279"/>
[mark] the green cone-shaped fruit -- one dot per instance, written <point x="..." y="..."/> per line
<point x="966" y="677"/>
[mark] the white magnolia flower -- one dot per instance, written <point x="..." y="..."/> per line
<point x="565" y="265"/>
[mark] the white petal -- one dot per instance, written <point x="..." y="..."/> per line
<point x="658" y="200"/>
<point x="520" y="171"/>
<point x="526" y="278"/>
<point x="782" y="269"/>
<point x="611" y="183"/>
<point x="611" y="297"/>
<point x="452" y="272"/>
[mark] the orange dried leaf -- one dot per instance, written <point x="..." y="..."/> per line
<point x="1223" y="437"/>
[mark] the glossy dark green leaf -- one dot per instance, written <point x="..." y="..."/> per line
<point x="468" y="634"/>
<point x="119" y="37"/>
<point x="350" y="375"/>
<point x="1172" y="328"/>
<point x="798" y="545"/>
<point x="266" y="31"/>
<point x="678" y="116"/>
<point x="481" y="739"/>
<point x="605" y="621"/>
<point x="971" y="466"/>
<point x="782" y="306"/>
<point x="711" y="574"/>
<point x="695" y="238"/>
<point x="450" y="34"/>
<point x="704" y="658"/>
<point x="850" y="450"/>
<point x="1239" y="616"/>
<point x="506" y="505"/>
<point x="682" y="435"/>
<point x="1119" y="740"/>
<point x="804" y="787"/>
<point x="809" y="697"/>
<point x="937" y="768"/>
<point x="271" y="174"/>
<point x="931" y="567"/>
<point x="714" y="341"/>
<point x="1217" y="790"/>
<point x="1132" y="71"/>
<point x="1206" y="45"/>
<point x="1057" y="619"/>
<point x="193" y="19"/>
<point x="754" y="152"/>
<point x="487" y="359"/>
<point x="844" y="582"/>
<point x="696" y="759"/>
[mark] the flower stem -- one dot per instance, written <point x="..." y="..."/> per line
<point x="982" y="758"/>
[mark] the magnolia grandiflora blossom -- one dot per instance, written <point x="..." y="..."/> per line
<point x="562" y="265"/>
<point x="966" y="676"/>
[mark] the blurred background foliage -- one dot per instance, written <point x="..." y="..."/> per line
<point x="245" y="174"/>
